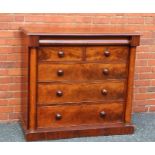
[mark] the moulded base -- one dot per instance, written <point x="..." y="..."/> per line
<point x="78" y="131"/>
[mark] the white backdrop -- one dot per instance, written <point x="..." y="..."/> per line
<point x="77" y="6"/>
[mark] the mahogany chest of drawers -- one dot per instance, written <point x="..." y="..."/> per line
<point x="77" y="84"/>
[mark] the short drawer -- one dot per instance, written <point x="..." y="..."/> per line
<point x="60" y="53"/>
<point x="81" y="72"/>
<point x="61" y="116"/>
<point x="78" y="92"/>
<point x="107" y="53"/>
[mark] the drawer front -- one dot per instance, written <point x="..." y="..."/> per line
<point x="107" y="54"/>
<point x="60" y="53"/>
<point x="75" y="72"/>
<point x="61" y="116"/>
<point x="78" y="92"/>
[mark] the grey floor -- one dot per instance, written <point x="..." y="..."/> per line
<point x="145" y="131"/>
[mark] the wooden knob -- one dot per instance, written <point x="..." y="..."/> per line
<point x="59" y="93"/>
<point x="102" y="114"/>
<point x="105" y="71"/>
<point x="104" y="91"/>
<point x="61" y="54"/>
<point x="58" y="116"/>
<point x="60" y="72"/>
<point x="107" y="53"/>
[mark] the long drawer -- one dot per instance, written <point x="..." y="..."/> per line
<point x="52" y="93"/>
<point x="61" y="116"/>
<point x="80" y="71"/>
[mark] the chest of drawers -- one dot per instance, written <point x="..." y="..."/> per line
<point x="77" y="84"/>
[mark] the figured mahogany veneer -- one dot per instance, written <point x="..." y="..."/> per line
<point x="79" y="114"/>
<point x="107" y="53"/>
<point x="78" y="92"/>
<point x="80" y="72"/>
<point x="60" y="53"/>
<point x="77" y="84"/>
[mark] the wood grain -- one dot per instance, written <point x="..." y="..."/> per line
<point x="32" y="93"/>
<point x="117" y="53"/>
<point x="128" y="110"/>
<point x="51" y="53"/>
<point x="80" y="72"/>
<point x="79" y="115"/>
<point x="78" y="84"/>
<point x="73" y="92"/>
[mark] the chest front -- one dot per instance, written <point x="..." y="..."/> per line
<point x="79" y="85"/>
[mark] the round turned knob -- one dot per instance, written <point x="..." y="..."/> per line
<point x="107" y="53"/>
<point x="61" y="54"/>
<point x="58" y="116"/>
<point x="104" y="91"/>
<point x="60" y="72"/>
<point x="59" y="93"/>
<point x="102" y="114"/>
<point x="105" y="71"/>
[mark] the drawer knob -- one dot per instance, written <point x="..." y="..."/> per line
<point x="107" y="53"/>
<point x="58" y="116"/>
<point x="59" y="93"/>
<point x="104" y="91"/>
<point x="60" y="72"/>
<point x="105" y="71"/>
<point x="61" y="54"/>
<point x="102" y="114"/>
